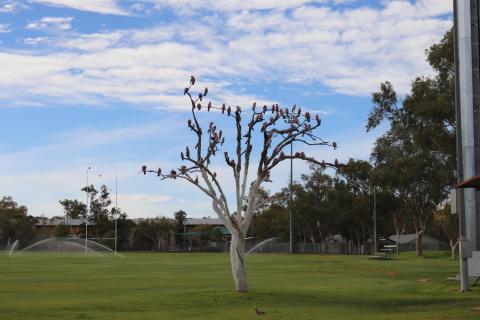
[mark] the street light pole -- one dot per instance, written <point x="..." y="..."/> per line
<point x="462" y="18"/>
<point x="116" y="209"/>
<point x="291" y="197"/>
<point x="86" y="213"/>
<point x="291" y="119"/>
<point x="374" y="220"/>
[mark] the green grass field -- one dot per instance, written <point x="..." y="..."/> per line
<point x="199" y="286"/>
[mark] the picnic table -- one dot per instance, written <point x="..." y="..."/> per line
<point x="388" y="252"/>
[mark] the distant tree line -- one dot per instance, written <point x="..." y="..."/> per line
<point x="149" y="234"/>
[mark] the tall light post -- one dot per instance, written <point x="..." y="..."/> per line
<point x="465" y="15"/>
<point x="291" y="119"/>
<point x="87" y="191"/>
<point x="116" y="209"/>
<point x="375" y="219"/>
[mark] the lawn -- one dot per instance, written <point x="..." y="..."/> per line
<point x="199" y="286"/>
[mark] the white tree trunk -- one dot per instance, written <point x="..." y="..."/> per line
<point x="312" y="239"/>
<point x="418" y="243"/>
<point x="398" y="244"/>
<point x="237" y="258"/>
<point x="453" y="247"/>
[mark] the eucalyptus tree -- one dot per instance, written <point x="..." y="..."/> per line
<point x="15" y="223"/>
<point x="73" y="209"/>
<point x="271" y="222"/>
<point x="416" y="156"/>
<point x="318" y="218"/>
<point x="159" y="231"/>
<point x="101" y="211"/>
<point x="359" y="179"/>
<point x="180" y="217"/>
<point x="418" y="178"/>
<point x="275" y="136"/>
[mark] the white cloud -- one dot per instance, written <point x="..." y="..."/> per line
<point x="348" y="50"/>
<point x="139" y="8"/>
<point x="35" y="40"/>
<point x="94" y="41"/>
<point x="99" y="6"/>
<point x="4" y="28"/>
<point x="192" y="6"/>
<point x="7" y="7"/>
<point x="56" y="23"/>
<point x="144" y="205"/>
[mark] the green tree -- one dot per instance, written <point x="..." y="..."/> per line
<point x="15" y="223"/>
<point x="318" y="219"/>
<point x="418" y="178"/>
<point x="358" y="177"/>
<point x="416" y="158"/>
<point x="428" y="112"/>
<point x="73" y="209"/>
<point x="159" y="231"/>
<point x="101" y="211"/>
<point x="271" y="222"/>
<point x="180" y="217"/>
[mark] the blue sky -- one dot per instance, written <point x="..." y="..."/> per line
<point x="99" y="83"/>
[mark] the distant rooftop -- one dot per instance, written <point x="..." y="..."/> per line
<point x="204" y="221"/>
<point x="58" y="221"/>
<point x="473" y="182"/>
<point x="408" y="238"/>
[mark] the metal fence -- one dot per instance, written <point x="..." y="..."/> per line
<point x="320" y="248"/>
<point x="435" y="246"/>
<point x="307" y="248"/>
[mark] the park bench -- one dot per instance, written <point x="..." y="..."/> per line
<point x="388" y="252"/>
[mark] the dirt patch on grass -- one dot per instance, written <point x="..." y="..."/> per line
<point x="391" y="273"/>
<point x="423" y="280"/>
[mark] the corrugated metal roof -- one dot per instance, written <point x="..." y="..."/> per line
<point x="56" y="222"/>
<point x="204" y="221"/>
<point x="407" y="238"/>
<point x="223" y="229"/>
<point x="473" y="182"/>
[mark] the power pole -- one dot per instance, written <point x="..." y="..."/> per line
<point x="374" y="220"/>
<point x="87" y="191"/>
<point x="291" y="198"/>
<point x="290" y="119"/>
<point x="467" y="96"/>
<point x="116" y="209"/>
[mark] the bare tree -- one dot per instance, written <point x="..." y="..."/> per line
<point x="277" y="136"/>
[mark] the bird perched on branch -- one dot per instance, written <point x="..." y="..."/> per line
<point x="258" y="311"/>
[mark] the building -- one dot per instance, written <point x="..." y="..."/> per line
<point x="47" y="226"/>
<point x="191" y="223"/>
<point x="201" y="224"/>
<point x="407" y="242"/>
<point x="204" y="233"/>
